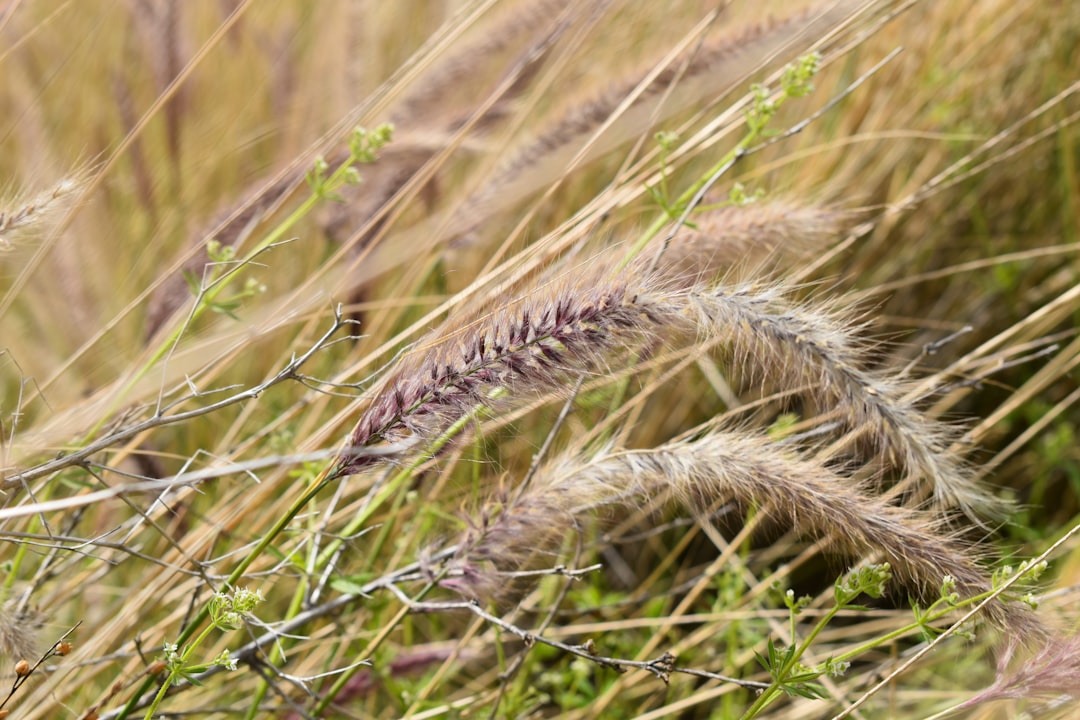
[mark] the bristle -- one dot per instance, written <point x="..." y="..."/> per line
<point x="744" y="237"/>
<point x="533" y="343"/>
<point x="526" y="344"/>
<point x="815" y="345"/>
<point x="1051" y="673"/>
<point x="792" y="487"/>
<point x="23" y="218"/>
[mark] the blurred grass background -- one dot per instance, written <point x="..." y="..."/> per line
<point x="86" y="91"/>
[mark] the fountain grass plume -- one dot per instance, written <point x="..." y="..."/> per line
<point x="790" y="486"/>
<point x="533" y="340"/>
<point x="21" y="217"/>
<point x="735" y="237"/>
<point x="542" y="333"/>
<point x="816" y="344"/>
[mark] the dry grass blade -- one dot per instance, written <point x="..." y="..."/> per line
<point x="529" y="263"/>
<point x="433" y="98"/>
<point x="626" y="109"/>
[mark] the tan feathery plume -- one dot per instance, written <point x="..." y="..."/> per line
<point x="789" y="485"/>
<point x="23" y="217"/>
<point x="736" y="237"/>
<point x="816" y="345"/>
<point x="534" y="340"/>
<point x="18" y="629"/>
<point x="1049" y="674"/>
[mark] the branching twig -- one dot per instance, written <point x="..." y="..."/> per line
<point x="159" y="419"/>
<point x="661" y="667"/>
<point x="156" y="486"/>
<point x="60" y="647"/>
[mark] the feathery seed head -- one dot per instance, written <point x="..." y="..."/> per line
<point x="738" y="238"/>
<point x="535" y="339"/>
<point x="528" y="343"/>
<point x="783" y="482"/>
<point x="20" y="218"/>
<point x="1050" y="673"/>
<point x="18" y="630"/>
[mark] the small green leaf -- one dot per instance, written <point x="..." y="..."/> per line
<point x="347" y="586"/>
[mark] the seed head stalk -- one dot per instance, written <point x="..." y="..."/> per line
<point x="172" y="675"/>
<point x="389" y="489"/>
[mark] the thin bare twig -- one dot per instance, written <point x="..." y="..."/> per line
<point x="22" y="677"/>
<point x="160" y="419"/>
<point x="661" y="667"/>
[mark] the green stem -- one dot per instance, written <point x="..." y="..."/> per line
<point x="360" y="151"/>
<point x="688" y="195"/>
<point x="174" y="672"/>
<point x="755" y="129"/>
<point x="361" y="519"/>
<point x="768" y="695"/>
<point x="313" y="489"/>
<point x="33" y="525"/>
<point x="911" y="627"/>
<point x="283" y="522"/>
<point x="213" y="289"/>
<point x="342" y="679"/>
<point x="930" y="616"/>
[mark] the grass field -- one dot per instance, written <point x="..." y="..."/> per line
<point x="539" y="359"/>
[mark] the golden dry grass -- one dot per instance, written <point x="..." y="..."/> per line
<point x="931" y="294"/>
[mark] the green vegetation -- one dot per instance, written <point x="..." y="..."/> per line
<point x="549" y="359"/>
